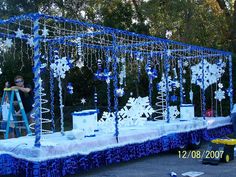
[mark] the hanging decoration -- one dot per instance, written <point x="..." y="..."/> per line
<point x="161" y="86"/>
<point x="83" y="101"/>
<point x="212" y="73"/>
<point x="60" y="67"/>
<point x="8" y="43"/>
<point x="120" y="92"/>
<point x="19" y="33"/>
<point x="220" y="94"/>
<point x="70" y="88"/>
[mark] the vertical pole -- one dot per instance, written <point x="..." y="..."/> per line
<point x="115" y="84"/>
<point x="230" y="83"/>
<point x="36" y="70"/>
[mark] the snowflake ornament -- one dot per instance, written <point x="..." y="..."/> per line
<point x="0" y="71"/>
<point x="44" y="31"/>
<point x="220" y="85"/>
<point x="8" y="43"/>
<point x="30" y="41"/>
<point x="219" y="95"/>
<point x="19" y="33"/>
<point x="79" y="64"/>
<point x="83" y="101"/>
<point x="60" y="66"/>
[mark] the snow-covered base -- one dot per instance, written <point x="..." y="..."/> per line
<point x="59" y="155"/>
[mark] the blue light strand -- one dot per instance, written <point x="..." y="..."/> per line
<point x="108" y="86"/>
<point x="203" y="91"/>
<point x="115" y="84"/>
<point x="230" y="82"/>
<point x="181" y="80"/>
<point x="36" y="70"/>
<point x="51" y="90"/>
<point x="166" y="70"/>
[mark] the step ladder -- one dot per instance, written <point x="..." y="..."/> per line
<point x="9" y="94"/>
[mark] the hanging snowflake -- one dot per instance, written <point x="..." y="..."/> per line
<point x="186" y="63"/>
<point x="83" y="101"/>
<point x="219" y="95"/>
<point x="79" y="64"/>
<point x="8" y="43"/>
<point x="212" y="73"/>
<point x="120" y="92"/>
<point x="44" y="31"/>
<point x="60" y="66"/>
<point x="19" y="33"/>
<point x="220" y="85"/>
<point x="30" y="42"/>
<point x="173" y="112"/>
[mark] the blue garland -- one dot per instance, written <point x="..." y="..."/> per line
<point x="181" y="80"/>
<point x="203" y="91"/>
<point x="166" y="71"/>
<point x="51" y="89"/>
<point x="230" y="82"/>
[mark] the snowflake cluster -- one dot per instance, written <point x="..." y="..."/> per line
<point x="60" y="66"/>
<point x="212" y="73"/>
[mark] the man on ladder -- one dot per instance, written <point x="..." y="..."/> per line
<point x="24" y="97"/>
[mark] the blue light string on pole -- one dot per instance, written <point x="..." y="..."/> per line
<point x="203" y="91"/>
<point x="166" y="71"/>
<point x="230" y="83"/>
<point x="108" y="84"/>
<point x="51" y="89"/>
<point x="36" y="70"/>
<point x="150" y="86"/>
<point x="181" y="79"/>
<point x="115" y="84"/>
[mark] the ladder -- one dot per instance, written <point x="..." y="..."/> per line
<point x="9" y="94"/>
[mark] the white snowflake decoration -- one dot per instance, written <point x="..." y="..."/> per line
<point x="220" y="95"/>
<point x="0" y="71"/>
<point x="220" y="85"/>
<point x="30" y="42"/>
<point x="8" y="43"/>
<point x="44" y="31"/>
<point x="173" y="112"/>
<point x="60" y="66"/>
<point x="79" y="64"/>
<point x="19" y="33"/>
<point x="83" y="101"/>
<point x="212" y="73"/>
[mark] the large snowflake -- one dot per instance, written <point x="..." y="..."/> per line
<point x="60" y="66"/>
<point x="173" y="112"/>
<point x="212" y="73"/>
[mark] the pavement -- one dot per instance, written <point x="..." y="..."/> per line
<point x="162" y="164"/>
